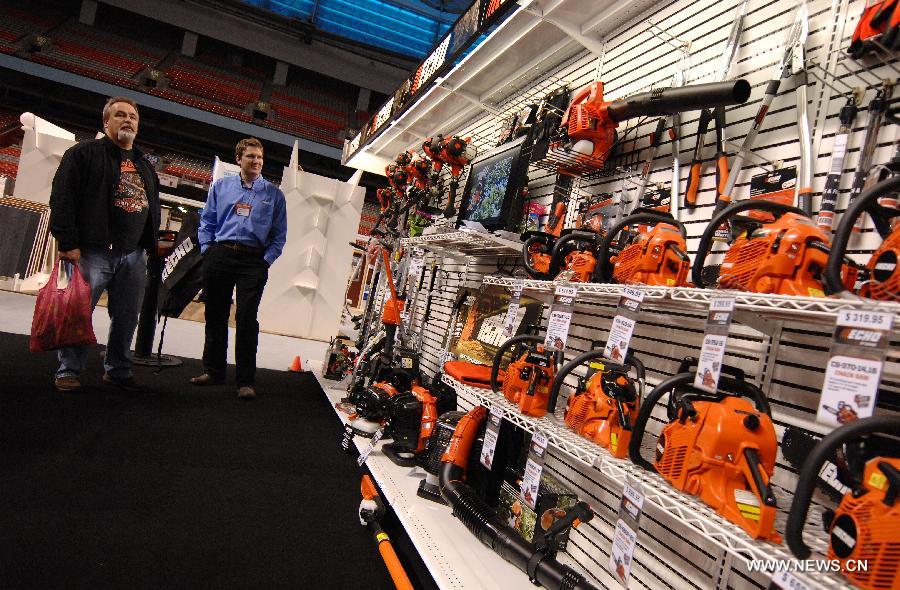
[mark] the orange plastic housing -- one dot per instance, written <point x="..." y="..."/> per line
<point x="658" y="258"/>
<point x="704" y="456"/>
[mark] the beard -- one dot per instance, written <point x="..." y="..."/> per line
<point x="126" y="135"/>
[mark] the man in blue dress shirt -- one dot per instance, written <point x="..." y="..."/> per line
<point x="242" y="231"/>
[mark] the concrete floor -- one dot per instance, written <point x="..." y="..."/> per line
<point x="184" y="338"/>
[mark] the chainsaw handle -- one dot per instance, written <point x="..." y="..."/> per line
<point x="504" y="348"/>
<point x="806" y="479"/>
<point x="867" y="202"/>
<point x="564" y="372"/>
<point x="646" y="216"/>
<point x="556" y="258"/>
<point x="721" y="217"/>
<point x="535" y="238"/>
<point x="685" y="381"/>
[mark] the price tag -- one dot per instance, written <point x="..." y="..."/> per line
<point x="347" y="440"/>
<point x="784" y="580"/>
<point x="709" y="366"/>
<point x="620" y="332"/>
<point x="491" y="434"/>
<point x="365" y="454"/>
<point x="531" y="483"/>
<point x="854" y="367"/>
<point x="512" y="313"/>
<point x="625" y="535"/>
<point x="560" y="317"/>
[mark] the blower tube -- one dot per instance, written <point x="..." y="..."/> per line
<point x="806" y="479"/>
<point x="484" y="523"/>
<point x="668" y="101"/>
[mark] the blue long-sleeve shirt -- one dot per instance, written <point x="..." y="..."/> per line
<point x="265" y="227"/>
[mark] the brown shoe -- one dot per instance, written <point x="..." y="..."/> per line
<point x="69" y="384"/>
<point x="246" y="392"/>
<point x="205" y="379"/>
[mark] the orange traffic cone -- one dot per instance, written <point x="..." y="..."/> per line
<point x="296" y="366"/>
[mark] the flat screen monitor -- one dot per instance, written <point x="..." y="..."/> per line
<point x="492" y="196"/>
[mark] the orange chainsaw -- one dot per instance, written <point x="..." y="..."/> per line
<point x="657" y="257"/>
<point x="605" y="402"/>
<point x="786" y="256"/>
<point x="865" y="528"/>
<point x="537" y="252"/>
<point x="529" y="375"/>
<point x="575" y="251"/>
<point x="720" y="447"/>
<point x="881" y="277"/>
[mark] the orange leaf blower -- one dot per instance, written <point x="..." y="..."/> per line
<point x="606" y="401"/>
<point x="881" y="279"/>
<point x="786" y="256"/>
<point x="865" y="527"/>
<point x="588" y="127"/>
<point x="456" y="152"/>
<point x="529" y="376"/>
<point x="657" y="257"/>
<point x="720" y="447"/>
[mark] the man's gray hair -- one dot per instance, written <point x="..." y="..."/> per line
<point x="107" y="108"/>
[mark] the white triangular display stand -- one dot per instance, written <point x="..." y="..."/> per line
<point x="305" y="293"/>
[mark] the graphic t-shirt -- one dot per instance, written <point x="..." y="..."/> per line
<point x="130" y="206"/>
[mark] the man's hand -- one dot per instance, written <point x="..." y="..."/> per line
<point x="70" y="255"/>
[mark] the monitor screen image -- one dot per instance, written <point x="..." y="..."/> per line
<point x="489" y="185"/>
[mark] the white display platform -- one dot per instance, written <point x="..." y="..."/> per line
<point x="454" y="557"/>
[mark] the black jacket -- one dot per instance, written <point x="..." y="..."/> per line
<point x="83" y="191"/>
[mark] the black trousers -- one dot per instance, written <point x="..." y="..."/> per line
<point x="223" y="270"/>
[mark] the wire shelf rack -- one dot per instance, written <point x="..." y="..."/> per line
<point x="691" y="513"/>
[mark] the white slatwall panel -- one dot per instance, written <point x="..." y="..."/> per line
<point x="636" y="60"/>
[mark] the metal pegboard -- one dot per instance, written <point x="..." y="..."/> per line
<point x="691" y="513"/>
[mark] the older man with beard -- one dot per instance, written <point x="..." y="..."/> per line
<point x="105" y="215"/>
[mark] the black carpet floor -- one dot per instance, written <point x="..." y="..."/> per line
<point x="175" y="487"/>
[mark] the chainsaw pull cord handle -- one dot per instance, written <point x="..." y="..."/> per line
<point x="540" y="239"/>
<point x="559" y="253"/>
<point x="881" y="216"/>
<point x="778" y="209"/>
<point x="604" y="270"/>
<point x="684" y="381"/>
<point x="806" y="479"/>
<point x="504" y="348"/>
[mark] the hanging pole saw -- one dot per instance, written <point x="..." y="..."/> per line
<point x="875" y="118"/>
<point x="825" y="220"/>
<point x="717" y="115"/>
<point x="796" y="38"/>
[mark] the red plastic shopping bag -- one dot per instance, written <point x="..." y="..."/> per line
<point x="62" y="317"/>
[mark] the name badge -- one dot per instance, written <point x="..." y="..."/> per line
<point x="243" y="209"/>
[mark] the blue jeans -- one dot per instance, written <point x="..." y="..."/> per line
<point x="123" y="276"/>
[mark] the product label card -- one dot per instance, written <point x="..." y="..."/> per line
<point x="622" y="328"/>
<point x="531" y="482"/>
<point x="718" y="322"/>
<point x="784" y="580"/>
<point x="625" y="535"/>
<point x="365" y="454"/>
<point x="509" y="324"/>
<point x="491" y="434"/>
<point x="854" y="367"/>
<point x="560" y="317"/>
